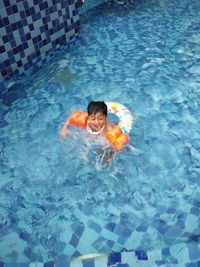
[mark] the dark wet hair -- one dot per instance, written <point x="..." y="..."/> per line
<point x="97" y="106"/>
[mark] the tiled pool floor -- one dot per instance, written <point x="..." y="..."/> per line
<point x="179" y="255"/>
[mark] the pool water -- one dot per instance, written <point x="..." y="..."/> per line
<point x="58" y="198"/>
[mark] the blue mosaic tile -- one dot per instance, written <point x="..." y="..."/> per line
<point x="25" y="236"/>
<point x="114" y="258"/>
<point x="122" y="265"/>
<point x="193" y="264"/>
<point x="79" y="230"/>
<point x="124" y="217"/>
<point x="63" y="264"/>
<point x="194" y="252"/>
<point x="119" y="229"/>
<point x="110" y="243"/>
<point x="141" y="255"/>
<point x="110" y="226"/>
<point x="171" y="210"/>
<point x="165" y="252"/>
<point x="2" y="87"/>
<point x="142" y="228"/>
<point x="88" y="263"/>
<point x="181" y="224"/>
<point x="160" y="262"/>
<point x="76" y="254"/>
<point x="95" y="226"/>
<point x="49" y="264"/>
<point x="195" y="210"/>
<point x="127" y="233"/>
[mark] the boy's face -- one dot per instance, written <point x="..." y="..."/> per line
<point x="96" y="121"/>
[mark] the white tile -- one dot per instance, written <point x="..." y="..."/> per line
<point x="101" y="261"/>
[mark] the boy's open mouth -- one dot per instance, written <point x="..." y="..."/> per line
<point x="95" y="130"/>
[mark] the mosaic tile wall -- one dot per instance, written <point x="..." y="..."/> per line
<point x="29" y="30"/>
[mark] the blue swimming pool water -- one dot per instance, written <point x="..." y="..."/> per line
<point x="58" y="199"/>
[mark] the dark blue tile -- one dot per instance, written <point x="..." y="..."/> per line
<point x="165" y="252"/>
<point x="22" y="15"/>
<point x="114" y="258"/>
<point x="9" y="11"/>
<point x="110" y="226"/>
<point x="31" y="255"/>
<point x="2" y="49"/>
<point x="119" y="229"/>
<point x="10" y="264"/>
<point x="76" y="254"/>
<point x="6" y="21"/>
<point x="127" y="232"/>
<point x="160" y="262"/>
<point x="181" y="224"/>
<point x="195" y="210"/>
<point x="3" y="89"/>
<point x="124" y="217"/>
<point x="24" y="265"/>
<point x="110" y="243"/>
<point x="88" y="263"/>
<point x="25" y="236"/>
<point x="49" y="264"/>
<point x="74" y="241"/>
<point x="24" y="22"/>
<point x="192" y="264"/>
<point x="6" y="3"/>
<point x="122" y="265"/>
<point x="15" y="9"/>
<point x="194" y="237"/>
<point x="142" y="228"/>
<point x="5" y="39"/>
<point x="62" y="264"/>
<point x="2" y="264"/>
<point x="13" y="44"/>
<point x="141" y="255"/>
<point x="94" y="226"/>
<point x="193" y="251"/>
<point x="196" y="202"/>
<point x="25" y="4"/>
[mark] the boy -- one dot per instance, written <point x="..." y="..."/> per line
<point x="97" y="122"/>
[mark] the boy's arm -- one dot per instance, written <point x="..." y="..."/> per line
<point x="64" y="131"/>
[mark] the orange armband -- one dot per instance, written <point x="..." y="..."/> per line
<point x="117" y="137"/>
<point x="78" y="118"/>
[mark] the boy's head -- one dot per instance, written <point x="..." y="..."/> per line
<point x="97" y="112"/>
<point x="97" y="106"/>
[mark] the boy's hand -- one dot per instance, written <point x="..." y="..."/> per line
<point x="63" y="133"/>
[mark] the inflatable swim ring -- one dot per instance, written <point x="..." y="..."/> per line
<point x="124" y="115"/>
